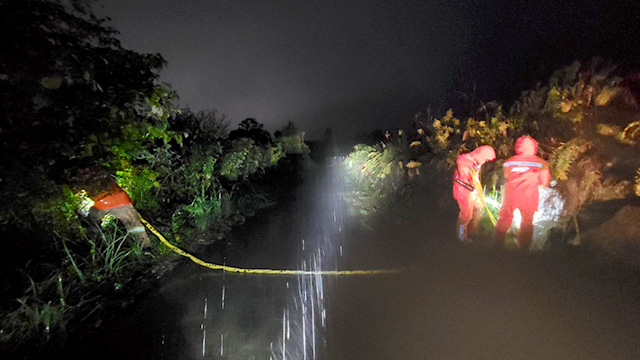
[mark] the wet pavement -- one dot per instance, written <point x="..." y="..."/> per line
<point x="449" y="302"/>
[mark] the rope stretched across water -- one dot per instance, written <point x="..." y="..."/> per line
<point x="232" y="269"/>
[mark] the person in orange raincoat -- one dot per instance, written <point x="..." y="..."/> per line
<point x="464" y="191"/>
<point x="524" y="174"/>
<point x="116" y="202"/>
<point x="109" y="198"/>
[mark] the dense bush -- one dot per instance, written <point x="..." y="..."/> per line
<point x="81" y="111"/>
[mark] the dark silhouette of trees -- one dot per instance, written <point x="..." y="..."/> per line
<point x="64" y="77"/>
<point x="288" y="130"/>
<point x="200" y="128"/>
<point x="252" y="129"/>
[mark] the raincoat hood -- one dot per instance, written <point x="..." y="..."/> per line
<point x="483" y="154"/>
<point x="526" y="146"/>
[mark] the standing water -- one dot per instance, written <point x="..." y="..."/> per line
<point x="205" y="314"/>
<point x="450" y="301"/>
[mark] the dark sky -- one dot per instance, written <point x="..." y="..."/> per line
<point x="359" y="65"/>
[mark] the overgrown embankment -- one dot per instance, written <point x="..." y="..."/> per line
<point x="80" y="111"/>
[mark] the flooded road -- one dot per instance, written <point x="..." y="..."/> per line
<point x="200" y="313"/>
<point x="449" y="302"/>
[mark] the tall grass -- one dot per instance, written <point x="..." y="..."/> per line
<point x="111" y="253"/>
<point x="104" y="258"/>
<point x="41" y="310"/>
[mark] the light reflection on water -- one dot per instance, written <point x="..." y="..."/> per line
<point x="264" y="316"/>
<point x="304" y="317"/>
<point x="455" y="303"/>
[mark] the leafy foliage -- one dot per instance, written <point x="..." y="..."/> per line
<point x="60" y="212"/>
<point x="251" y="129"/>
<point x="199" y="130"/>
<point x="74" y="101"/>
<point x="66" y="77"/>
<point x="373" y="171"/>
<point x="244" y="159"/>
<point x="631" y="133"/>
<point x="572" y="90"/>
<point x="565" y="155"/>
<point x="293" y="144"/>
<point x="445" y="133"/>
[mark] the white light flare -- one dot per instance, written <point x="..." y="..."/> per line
<point x="304" y="319"/>
<point x="223" y="294"/>
<point x="204" y="341"/>
<point x="284" y="334"/>
<point x="550" y="205"/>
<point x="205" y="307"/>
<point x="203" y="326"/>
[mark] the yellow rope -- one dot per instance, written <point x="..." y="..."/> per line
<point x="259" y="271"/>
<point x="480" y="192"/>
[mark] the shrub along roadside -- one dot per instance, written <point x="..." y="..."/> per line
<point x="73" y="99"/>
<point x="190" y="198"/>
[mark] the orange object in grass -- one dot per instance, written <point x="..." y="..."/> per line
<point x="112" y="198"/>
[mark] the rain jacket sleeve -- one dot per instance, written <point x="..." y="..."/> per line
<point x="465" y="164"/>
<point x="545" y="175"/>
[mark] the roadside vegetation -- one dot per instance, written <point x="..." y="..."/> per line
<point x="586" y="119"/>
<point x="74" y="99"/>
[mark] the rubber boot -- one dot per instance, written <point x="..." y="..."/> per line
<point x="462" y="232"/>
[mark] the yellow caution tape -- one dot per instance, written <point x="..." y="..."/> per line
<point x="480" y="192"/>
<point x="259" y="271"/>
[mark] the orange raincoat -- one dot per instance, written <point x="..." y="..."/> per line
<point x="463" y="189"/>
<point x="524" y="174"/>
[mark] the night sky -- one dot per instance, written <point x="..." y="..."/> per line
<point x="359" y="65"/>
